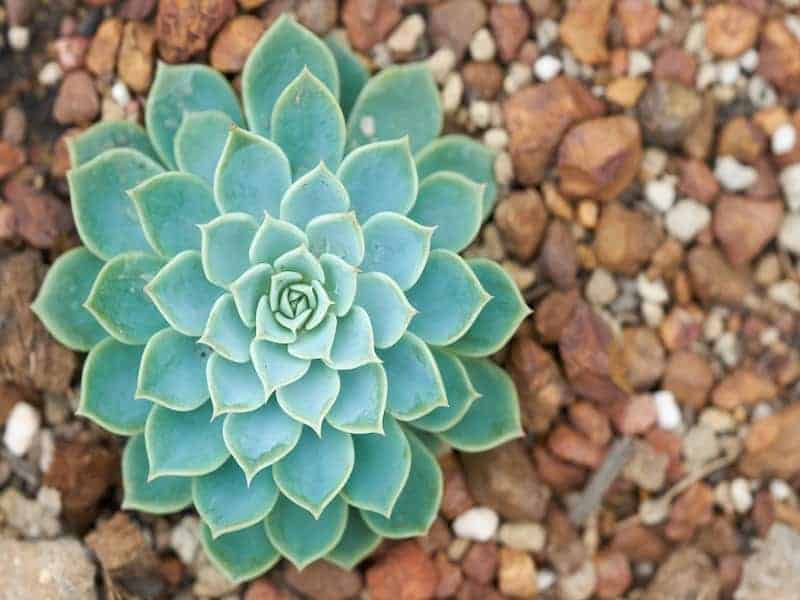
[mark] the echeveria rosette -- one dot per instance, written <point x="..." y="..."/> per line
<point x="274" y="306"/>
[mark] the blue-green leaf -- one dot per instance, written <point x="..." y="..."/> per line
<point x="108" y="388"/>
<point x="380" y="177"/>
<point x="275" y="238"/>
<point x="181" y="89"/>
<point x="308" y="125"/>
<point x="261" y="437"/>
<point x="252" y="175"/>
<point x="118" y="301"/>
<point x="170" y="207"/>
<point x="362" y="400"/>
<point x="491" y="419"/>
<point x="388" y="309"/>
<point x="105" y="136"/>
<point x="184" y="443"/>
<point x="300" y="260"/>
<point x="415" y="385"/>
<point x="397" y="246"/>
<point x="267" y="326"/>
<point x="199" y="142"/>
<point x="358" y="542"/>
<point x="275" y="366"/>
<point x="279" y="56"/>
<point x="354" y="344"/>
<point x="313" y="474"/>
<point x="249" y="289"/>
<point x="234" y="387"/>
<point x="340" y="282"/>
<point x="225" y="332"/>
<point x="385" y="111"/>
<point x="225" y="245"/>
<point x="338" y="234"/>
<point x="316" y="193"/>
<point x="173" y="372"/>
<point x="60" y="301"/>
<point x="161" y="496"/>
<point x="315" y="343"/>
<point x="352" y="72"/>
<point x="309" y="399"/>
<point x="104" y="216"/>
<point x="242" y="555"/>
<point x="227" y="502"/>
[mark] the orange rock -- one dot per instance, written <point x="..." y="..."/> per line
<point x="743" y="387"/>
<point x="369" y="22"/>
<point x="772" y="446"/>
<point x="456" y="497"/>
<point x="516" y="574"/>
<point x="521" y="219"/>
<point x="730" y="29"/>
<point x="184" y="27"/>
<point x="135" y="62"/>
<point x="452" y="23"/>
<point x="639" y="543"/>
<point x="744" y="226"/>
<point x="511" y="26"/>
<point x="613" y="575"/>
<point x="11" y="158"/>
<point x="742" y="139"/>
<point x="689" y="377"/>
<point x="780" y="56"/>
<point x="403" y="572"/>
<point x="713" y="277"/>
<point x="692" y="509"/>
<point x="675" y="64"/>
<point x="102" y="54"/>
<point x="625" y="239"/>
<point x="558" y="474"/>
<point x="584" y="29"/>
<point x="639" y="21"/>
<point x="697" y="181"/>
<point x="625" y="91"/>
<point x="234" y="43"/>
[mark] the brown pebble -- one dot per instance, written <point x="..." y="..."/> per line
<point x="668" y="112"/>
<point x="450" y="576"/>
<point x="625" y="239"/>
<point x="521" y="219"/>
<point x="584" y="27"/>
<point x="135" y="63"/>
<point x="560" y="475"/>
<point x="570" y="445"/>
<point x="697" y="181"/>
<point x="689" y="376"/>
<point x="77" y="101"/>
<point x="102" y="54"/>
<point x="743" y="387"/>
<point x="639" y="21"/>
<point x="234" y="42"/>
<point x="675" y="64"/>
<point x="744" y="226"/>
<point x="317" y="15"/>
<point x="559" y="257"/>
<point x="483" y="80"/>
<point x="743" y="139"/>
<point x="690" y="510"/>
<point x="613" y="575"/>
<point x="779" y="56"/>
<point x="40" y="218"/>
<point x="772" y="447"/>
<point x="511" y="26"/>
<point x="404" y="572"/>
<point x="452" y="23"/>
<point x="730" y="29"/>
<point x="323" y="580"/>
<point x="369" y="22"/>
<point x="687" y="573"/>
<point x="714" y="279"/>
<point x="643" y="356"/>
<point x="517" y="574"/>
<point x="184" y="29"/>
<point x="480" y="562"/>
<point x="12" y="158"/>
<point x="456" y="498"/>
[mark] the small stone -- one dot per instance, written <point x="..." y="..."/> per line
<point x="743" y="387"/>
<point x="558" y="256"/>
<point x="185" y="539"/>
<point x="482" y="79"/>
<point x="578" y="585"/>
<point x="584" y="28"/>
<point x="613" y="575"/>
<point x="452" y="23"/>
<point x="713" y="277"/>
<point x="482" y="46"/>
<point x="58" y="569"/>
<point x="668" y="112"/>
<point x="675" y="64"/>
<point x="779" y="56"/>
<point x="50" y="74"/>
<point x="516" y="574"/>
<point x="689" y="377"/>
<point x="667" y="411"/>
<point x="319" y="16"/>
<point x="184" y="29"/>
<point x="660" y="193"/>
<point x="451" y="93"/>
<point x="22" y="425"/>
<point x="601" y="289"/>
<point x="102" y="54"/>
<point x="511" y="26"/>
<point x="744" y="226"/>
<point x="19" y="37"/>
<point x="480" y="562"/>
<point x="742" y="139"/>
<point x="686" y="219"/>
<point x="643" y="357"/>
<point x="120" y="93"/>
<point x="546" y="67"/>
<point x="786" y="293"/>
<point x="789" y="235"/>
<point x="322" y="580"/>
<point x="626" y="91"/>
<point x="733" y="175"/>
<point x="625" y="239"/>
<point x="77" y="101"/>
<point x="479" y="524"/>
<point x="774" y="567"/>
<point x="790" y="184"/>
<point x="30" y="518"/>
<point x="741" y="496"/>
<point x="730" y="29"/>
<point x="639" y="63"/>
<point x="234" y="42"/>
<point x="687" y="573"/>
<point x="523" y="535"/>
<point x="784" y="139"/>
<point x="441" y="63"/>
<point x="521" y="219"/>
<point x="699" y="446"/>
<point x="647" y="467"/>
<point x="405" y="37"/>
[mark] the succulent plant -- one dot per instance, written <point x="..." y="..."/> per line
<point x="278" y="315"/>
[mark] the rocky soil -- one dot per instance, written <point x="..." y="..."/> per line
<point x="649" y="164"/>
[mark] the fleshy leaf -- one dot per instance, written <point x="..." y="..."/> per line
<point x="465" y="156"/>
<point x="182" y="293"/>
<point x="453" y="204"/>
<point x="226" y="333"/>
<point x="362" y="400"/>
<point x="173" y="372"/>
<point x="491" y="419"/>
<point x="338" y="234"/>
<point x="105" y="136"/>
<point x="275" y="366"/>
<point x="234" y="387"/>
<point x="384" y="110"/>
<point x="415" y="384"/>
<point x="354" y="344"/>
<point x="416" y="508"/>
<point x="105" y="219"/>
<point x="252" y="175"/>
<point x="319" y="535"/>
<point x="242" y="555"/>
<point x="308" y="125"/>
<point x="60" y="301"/>
<point x="300" y="260"/>
<point x="460" y="394"/>
<point x="184" y="443"/>
<point x="316" y="193"/>
<point x="352" y="73"/>
<point x="199" y="142"/>
<point x="340" y="282"/>
<point x="225" y="246"/>
<point x="118" y="301"/>
<point x="170" y="207"/>
<point x="315" y="343"/>
<point x="500" y="317"/>
<point x="268" y="328"/>
<point x="108" y="388"/>
<point x="309" y="399"/>
<point x="261" y="437"/>
<point x="388" y="309"/>
<point x="178" y="90"/>
<point x="275" y="238"/>
<point x="313" y="474"/>
<point x="397" y="246"/>
<point x="161" y="496"/>
<point x="358" y="542"/>
<point x="249" y="289"/>
<point x="380" y="177"/>
<point x="379" y="457"/>
<point x="278" y="57"/>
<point x="227" y="502"/>
<point x="448" y="296"/>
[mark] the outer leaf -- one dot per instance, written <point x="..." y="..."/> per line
<point x="416" y="508"/>
<point x="358" y="542"/>
<point x="249" y="289"/>
<point x="354" y="344"/>
<point x="338" y="234"/>
<point x="170" y="207"/>
<point x="199" y="142"/>
<point x="463" y="155"/>
<point x="494" y="417"/>
<point x="308" y="124"/>
<point x="163" y="496"/>
<point x="225" y="245"/>
<point x="316" y="470"/>
<point x="60" y="301"/>
<point x="388" y="309"/>
<point x="320" y="535"/>
<point x="316" y="193"/>
<point x="453" y="205"/>
<point x="182" y="89"/>
<point x="397" y="246"/>
<point x="460" y="394"/>
<point x="382" y="465"/>
<point x="241" y="555"/>
<point x="279" y="56"/>
<point x="184" y="443"/>
<point x="226" y="333"/>
<point x="275" y="366"/>
<point x="448" y="296"/>
<point x="275" y="238"/>
<point x="182" y="294"/>
<point x="173" y="371"/>
<point x="260" y="438"/>
<point x="309" y="399"/>
<point x="252" y="175"/>
<point x="415" y="385"/>
<point x="362" y="400"/>
<point x="383" y="110"/>
<point x="108" y="388"/>
<point x="118" y="302"/>
<point x="105" y="136"/>
<point x="340" y="282"/>
<point x="380" y="177"/>
<point x="227" y="502"/>
<point x="352" y="73"/>
<point x="101" y="206"/>
<point x="234" y="387"/>
<point x="500" y="317"/>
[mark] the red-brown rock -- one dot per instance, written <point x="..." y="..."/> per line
<point x="184" y="27"/>
<point x="780" y="56"/>
<point x="369" y="22"/>
<point x="639" y="21"/>
<point x="730" y="29"/>
<point x="584" y="28"/>
<point x="521" y="218"/>
<point x="404" y="573"/>
<point x="234" y="42"/>
<point x="625" y="239"/>
<point x="689" y="377"/>
<point x="511" y="26"/>
<point x="744" y="226"/>
<point x="452" y="23"/>
<point x="77" y="101"/>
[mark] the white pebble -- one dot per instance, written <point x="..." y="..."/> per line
<point x="726" y="346"/>
<point x="519" y="75"/>
<point x="523" y="535"/>
<point x="441" y="63"/>
<point x="741" y="496"/>
<point x="452" y="92"/>
<point x="668" y="413"/>
<point x="784" y="139"/>
<point x="19" y="37"/>
<point x="479" y="524"/>
<point x="695" y="41"/>
<point x="789" y="235"/>
<point x="482" y="46"/>
<point x="733" y="175"/>
<point x="601" y="289"/>
<point x="50" y="74"/>
<point x="790" y="184"/>
<point x="120" y="93"/>
<point x="660" y="193"/>
<point x="480" y="113"/>
<point x="749" y="60"/>
<point x="496" y="138"/>
<point x="707" y="74"/>
<point x="545" y="579"/>
<point x="503" y="168"/>
<point x="653" y="314"/>
<point x="22" y="425"/>
<point x="760" y="93"/>
<point x="406" y="35"/>
<point x="546" y="33"/>
<point x="639" y="63"/>
<point x="780" y="490"/>
<point x="793" y="24"/>
<point x="728" y="72"/>
<point x="786" y="292"/>
<point x="652" y="291"/>
<point x="546" y="67"/>
<point x="686" y="219"/>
